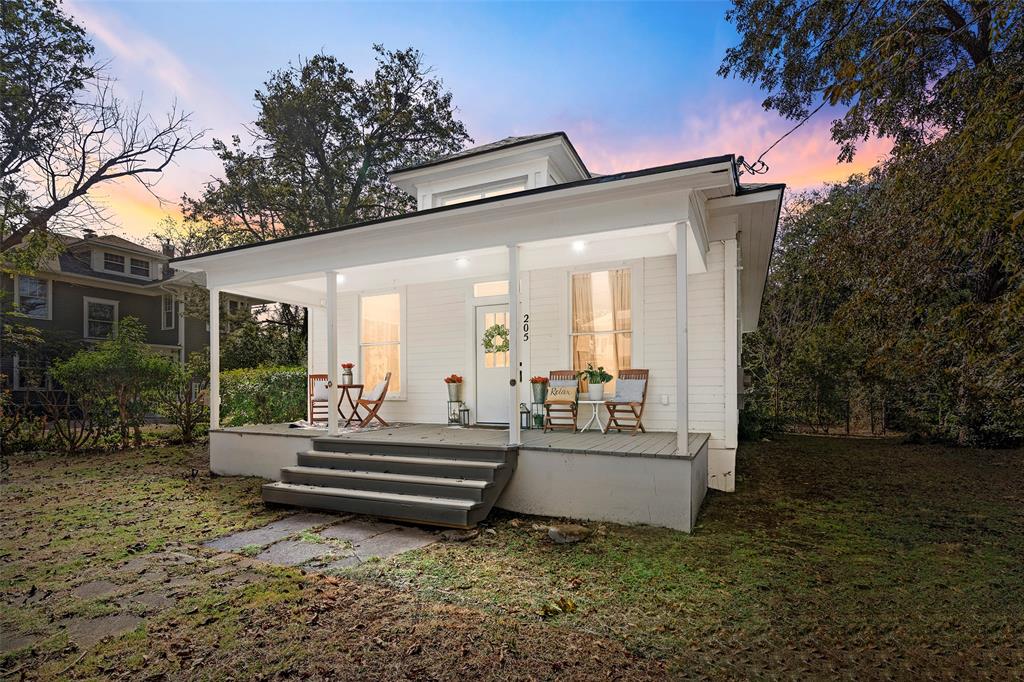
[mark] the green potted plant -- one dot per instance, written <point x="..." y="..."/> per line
<point x="596" y="379"/>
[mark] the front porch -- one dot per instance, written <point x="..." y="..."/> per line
<point x="602" y="477"/>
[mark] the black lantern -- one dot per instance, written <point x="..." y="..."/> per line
<point x="524" y="416"/>
<point x="464" y="415"/>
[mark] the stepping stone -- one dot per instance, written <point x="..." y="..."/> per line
<point x="95" y="589"/>
<point x="155" y="600"/>
<point x="394" y="542"/>
<point x="9" y="642"/>
<point x="356" y="530"/>
<point x="278" y="530"/>
<point x="88" y="631"/>
<point x="350" y="561"/>
<point x="294" y="552"/>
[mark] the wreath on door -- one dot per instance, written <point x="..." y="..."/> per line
<point x="496" y="339"/>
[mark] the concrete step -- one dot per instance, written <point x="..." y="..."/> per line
<point x="393" y="464"/>
<point x="440" y="511"/>
<point x="429" y="450"/>
<point x="406" y="484"/>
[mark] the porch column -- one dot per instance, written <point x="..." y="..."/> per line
<point x="332" y="352"/>
<point x="682" y="344"/>
<point x="214" y="391"/>
<point x="515" y="338"/>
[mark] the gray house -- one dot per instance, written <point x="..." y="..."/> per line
<point x="80" y="295"/>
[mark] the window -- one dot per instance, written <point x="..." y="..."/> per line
<point x="492" y="189"/>
<point x="140" y="267"/>
<point x="380" y="340"/>
<point x="34" y="297"/>
<point x="485" y="289"/>
<point x="112" y="261"/>
<point x="100" y="318"/>
<point x="167" y="311"/>
<point x="602" y="321"/>
<point x="31" y="374"/>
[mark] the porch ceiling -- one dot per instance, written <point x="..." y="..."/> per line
<point x="309" y="288"/>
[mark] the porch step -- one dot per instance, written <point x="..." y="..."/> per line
<point x="488" y="453"/>
<point x="430" y="483"/>
<point x="393" y="464"/>
<point x="406" y="484"/>
<point x="417" y="508"/>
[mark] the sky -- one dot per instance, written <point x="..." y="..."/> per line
<point x="633" y="85"/>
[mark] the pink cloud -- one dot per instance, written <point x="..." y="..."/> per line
<point x="807" y="158"/>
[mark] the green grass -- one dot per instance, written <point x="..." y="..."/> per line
<point x="834" y="558"/>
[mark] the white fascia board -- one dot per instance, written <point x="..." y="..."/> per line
<point x="579" y="210"/>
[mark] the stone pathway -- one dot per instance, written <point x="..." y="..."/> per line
<point x="323" y="542"/>
<point x="148" y="584"/>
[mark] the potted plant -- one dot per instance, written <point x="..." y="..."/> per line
<point x="540" y="388"/>
<point x="346" y="372"/>
<point x="596" y="379"/>
<point x="454" y="382"/>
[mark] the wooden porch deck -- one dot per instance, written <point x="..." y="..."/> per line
<point x="653" y="444"/>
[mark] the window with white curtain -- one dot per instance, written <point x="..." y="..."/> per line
<point x="380" y="340"/>
<point x="602" y="321"/>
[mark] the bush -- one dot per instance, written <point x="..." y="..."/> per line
<point x="181" y="399"/>
<point x="263" y="395"/>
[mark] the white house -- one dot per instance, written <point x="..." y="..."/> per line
<point x="661" y="268"/>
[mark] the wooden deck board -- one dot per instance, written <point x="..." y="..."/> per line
<point x="652" y="444"/>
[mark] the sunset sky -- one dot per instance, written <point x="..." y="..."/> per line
<point x="633" y="85"/>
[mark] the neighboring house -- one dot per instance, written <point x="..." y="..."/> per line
<point x="661" y="269"/>
<point x="94" y="282"/>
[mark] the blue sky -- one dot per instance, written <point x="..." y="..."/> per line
<point x="633" y="85"/>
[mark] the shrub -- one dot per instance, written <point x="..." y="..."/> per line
<point x="263" y="395"/>
<point x="181" y="398"/>
<point x="122" y="369"/>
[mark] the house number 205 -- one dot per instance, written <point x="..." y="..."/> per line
<point x="526" y="327"/>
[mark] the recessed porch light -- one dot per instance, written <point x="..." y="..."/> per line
<point x="579" y="246"/>
<point x="462" y="262"/>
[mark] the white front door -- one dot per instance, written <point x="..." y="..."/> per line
<point x="492" y="390"/>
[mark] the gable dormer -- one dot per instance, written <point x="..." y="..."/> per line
<point x="503" y="167"/>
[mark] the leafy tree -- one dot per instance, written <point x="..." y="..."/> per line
<point x="325" y="142"/>
<point x="894" y="65"/>
<point x="123" y="369"/>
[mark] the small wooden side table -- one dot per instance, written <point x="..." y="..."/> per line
<point x="350" y="394"/>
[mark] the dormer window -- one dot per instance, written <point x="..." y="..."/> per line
<point x="491" y="189"/>
<point x="113" y="262"/>
<point x="140" y="267"/>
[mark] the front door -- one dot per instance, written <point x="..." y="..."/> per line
<point x="492" y="390"/>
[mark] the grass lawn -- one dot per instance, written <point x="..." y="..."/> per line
<point x="851" y="558"/>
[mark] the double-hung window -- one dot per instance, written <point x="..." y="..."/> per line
<point x="140" y="267"/>
<point x="34" y="297"/>
<point x="380" y="340"/>
<point x="31" y="374"/>
<point x="113" y="262"/>
<point x="602" y="321"/>
<point x="491" y="189"/>
<point x="100" y="318"/>
<point x="167" y="311"/>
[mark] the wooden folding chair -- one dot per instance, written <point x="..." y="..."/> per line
<point x="560" y="414"/>
<point x="318" y="398"/>
<point x="624" y="411"/>
<point x="372" y="403"/>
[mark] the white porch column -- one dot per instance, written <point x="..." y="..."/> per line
<point x="332" y="352"/>
<point x="682" y="344"/>
<point x="515" y="330"/>
<point x="214" y="392"/>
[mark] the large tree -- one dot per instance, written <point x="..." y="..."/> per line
<point x="63" y="132"/>
<point x="324" y="143"/>
<point x="893" y="65"/>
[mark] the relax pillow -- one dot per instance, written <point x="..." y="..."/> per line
<point x="561" y="394"/>
<point x="320" y="391"/>
<point x="377" y="391"/>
